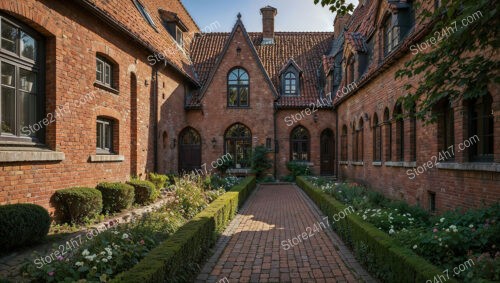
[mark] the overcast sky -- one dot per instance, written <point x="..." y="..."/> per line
<point x="293" y="15"/>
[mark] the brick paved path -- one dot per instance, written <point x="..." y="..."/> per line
<point x="250" y="249"/>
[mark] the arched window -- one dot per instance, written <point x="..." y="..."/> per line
<point x="355" y="141"/>
<point x="238" y="86"/>
<point x="189" y="136"/>
<point x="360" y="140"/>
<point x="413" y="134"/>
<point x="387" y="135"/>
<point x="299" y="144"/>
<point x="377" y="139"/>
<point x="22" y="84"/>
<point x="446" y="128"/>
<point x="481" y="129"/>
<point x="290" y="87"/>
<point x="343" y="144"/>
<point x="400" y="132"/>
<point x="238" y="143"/>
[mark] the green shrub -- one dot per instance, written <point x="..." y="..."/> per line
<point x="227" y="163"/>
<point x="377" y="251"/>
<point x="177" y="259"/>
<point x="159" y="180"/>
<point x="298" y="168"/>
<point x="260" y="162"/>
<point x="116" y="196"/>
<point x="189" y="194"/>
<point x="22" y="224"/>
<point x="76" y="205"/>
<point x="145" y="191"/>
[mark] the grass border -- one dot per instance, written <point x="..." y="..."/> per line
<point x="377" y="251"/>
<point x="177" y="258"/>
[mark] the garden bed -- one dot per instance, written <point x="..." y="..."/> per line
<point x="177" y="259"/>
<point x="389" y="236"/>
<point x="118" y="248"/>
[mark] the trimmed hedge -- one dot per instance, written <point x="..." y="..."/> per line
<point x="75" y="205"/>
<point x="376" y="250"/>
<point x="176" y="259"/>
<point x="22" y="224"/>
<point x="116" y="196"/>
<point x="145" y="191"/>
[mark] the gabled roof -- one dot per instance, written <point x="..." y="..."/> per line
<point x="125" y="15"/>
<point x="290" y="62"/>
<point x="306" y="49"/>
<point x="357" y="41"/>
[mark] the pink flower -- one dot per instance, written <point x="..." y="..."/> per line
<point x="141" y="242"/>
<point x="435" y="230"/>
<point x="51" y="273"/>
<point x="60" y="258"/>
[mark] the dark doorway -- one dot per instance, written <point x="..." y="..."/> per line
<point x="327" y="152"/>
<point x="189" y="150"/>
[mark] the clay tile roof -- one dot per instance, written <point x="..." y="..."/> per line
<point x="126" y="14"/>
<point x="357" y="41"/>
<point x="305" y="48"/>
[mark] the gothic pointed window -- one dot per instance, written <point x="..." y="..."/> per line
<point x="238" y="88"/>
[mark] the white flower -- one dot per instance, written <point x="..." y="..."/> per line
<point x="90" y="257"/>
<point x="415" y="247"/>
<point x="447" y="230"/>
<point x="471" y="226"/>
<point x="392" y="231"/>
<point x="125" y="236"/>
<point x="110" y="257"/>
<point x="79" y="263"/>
<point x="441" y="220"/>
<point x="104" y="260"/>
<point x="103" y="253"/>
<point x="85" y="252"/>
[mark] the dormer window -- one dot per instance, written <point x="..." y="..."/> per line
<point x="145" y="14"/>
<point x="290" y="79"/>
<point x="290" y="84"/>
<point x="173" y="24"/>
<point x="398" y="25"/>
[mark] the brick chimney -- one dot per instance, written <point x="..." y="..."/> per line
<point x="339" y="23"/>
<point x="268" y="13"/>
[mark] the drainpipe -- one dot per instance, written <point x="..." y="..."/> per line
<point x="275" y="114"/>
<point x="337" y="142"/>
<point x="155" y="113"/>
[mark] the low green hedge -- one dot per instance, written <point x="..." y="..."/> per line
<point x="116" y="196"/>
<point x="75" y="205"/>
<point x="145" y="191"/>
<point x="177" y="259"/>
<point x="376" y="250"/>
<point x="22" y="224"/>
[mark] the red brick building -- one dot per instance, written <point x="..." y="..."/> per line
<point x="104" y="90"/>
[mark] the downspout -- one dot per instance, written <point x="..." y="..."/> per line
<point x="337" y="142"/>
<point x="155" y="113"/>
<point x="275" y="114"/>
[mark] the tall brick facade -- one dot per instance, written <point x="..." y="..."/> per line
<point x="160" y="90"/>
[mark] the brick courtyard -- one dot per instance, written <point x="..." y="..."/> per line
<point x="250" y="249"/>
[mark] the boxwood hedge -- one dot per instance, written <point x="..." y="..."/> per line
<point x="75" y="205"/>
<point x="176" y="259"/>
<point x="116" y="196"/>
<point x="145" y="191"/>
<point x="376" y="250"/>
<point x="22" y="224"/>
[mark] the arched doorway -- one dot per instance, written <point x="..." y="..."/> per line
<point x="327" y="145"/>
<point x="238" y="143"/>
<point x="189" y="150"/>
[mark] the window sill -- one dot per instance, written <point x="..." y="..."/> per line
<point x="239" y="171"/>
<point x="358" y="163"/>
<point x="106" y="158"/>
<point x="394" y="163"/>
<point x="471" y="166"/>
<point x="303" y="162"/>
<point x="377" y="163"/>
<point x="344" y="162"/>
<point x="238" y="107"/>
<point x="106" y="88"/>
<point x="29" y="154"/>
